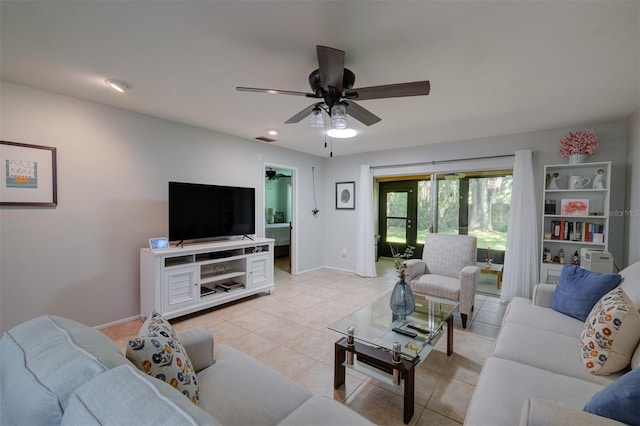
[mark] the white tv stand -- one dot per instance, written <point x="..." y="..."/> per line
<point x="178" y="281"/>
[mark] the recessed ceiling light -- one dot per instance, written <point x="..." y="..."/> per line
<point x="341" y="133"/>
<point x="118" y="85"/>
<point x="273" y="132"/>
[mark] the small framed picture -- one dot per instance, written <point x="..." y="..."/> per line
<point x="158" y="243"/>
<point x="279" y="217"/>
<point x="345" y="195"/>
<point x="574" y="207"/>
<point x="28" y="175"/>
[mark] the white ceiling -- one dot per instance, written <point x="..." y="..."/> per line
<point x="495" y="67"/>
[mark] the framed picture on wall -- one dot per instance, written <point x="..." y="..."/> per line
<point x="345" y="195"/>
<point x="28" y="175"/>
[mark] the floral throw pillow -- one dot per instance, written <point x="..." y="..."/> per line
<point x="157" y="352"/>
<point x="610" y="334"/>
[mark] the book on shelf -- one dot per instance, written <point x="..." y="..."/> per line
<point x="586" y="232"/>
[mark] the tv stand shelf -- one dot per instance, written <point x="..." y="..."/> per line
<point x="182" y="280"/>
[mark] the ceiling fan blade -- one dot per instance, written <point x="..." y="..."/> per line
<point x="276" y="92"/>
<point x="416" y="88"/>
<point x="301" y="115"/>
<point x="331" y="66"/>
<point x="361" y="114"/>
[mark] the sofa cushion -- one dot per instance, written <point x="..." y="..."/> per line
<point x="504" y="385"/>
<point x="126" y="396"/>
<point x="546" y="350"/>
<point x="578" y="290"/>
<point x="158" y="352"/>
<point x="620" y="400"/>
<point x="43" y="361"/>
<point x="266" y="396"/>
<point x="537" y="411"/>
<point x="523" y="311"/>
<point x="611" y="334"/>
<point x="321" y="411"/>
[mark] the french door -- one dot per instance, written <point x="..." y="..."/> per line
<point x="398" y="217"/>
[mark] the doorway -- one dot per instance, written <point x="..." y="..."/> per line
<point x="279" y="214"/>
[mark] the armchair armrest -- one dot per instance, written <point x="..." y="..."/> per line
<point x="469" y="277"/>
<point x="542" y="294"/>
<point x="415" y="267"/>
<point x="198" y="342"/>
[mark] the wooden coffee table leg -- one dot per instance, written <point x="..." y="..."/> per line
<point x="450" y="335"/>
<point x="409" y="393"/>
<point x="338" y="367"/>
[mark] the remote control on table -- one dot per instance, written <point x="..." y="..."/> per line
<point x="421" y="330"/>
<point x="411" y="334"/>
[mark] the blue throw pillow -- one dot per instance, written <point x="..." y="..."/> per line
<point x="620" y="400"/>
<point x="578" y="290"/>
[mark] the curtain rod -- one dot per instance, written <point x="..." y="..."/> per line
<point x="434" y="162"/>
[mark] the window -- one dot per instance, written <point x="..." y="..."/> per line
<point x="473" y="203"/>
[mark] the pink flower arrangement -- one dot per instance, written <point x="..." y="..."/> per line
<point x="584" y="142"/>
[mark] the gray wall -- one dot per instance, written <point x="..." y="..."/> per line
<point x="80" y="260"/>
<point x="632" y="213"/>
<point x="546" y="147"/>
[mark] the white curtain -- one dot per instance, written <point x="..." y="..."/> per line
<point x="521" y="265"/>
<point x="365" y="234"/>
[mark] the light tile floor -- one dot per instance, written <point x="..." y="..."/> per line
<point x="288" y="331"/>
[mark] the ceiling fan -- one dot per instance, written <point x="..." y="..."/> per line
<point x="333" y="83"/>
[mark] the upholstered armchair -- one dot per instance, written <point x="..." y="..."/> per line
<point x="447" y="270"/>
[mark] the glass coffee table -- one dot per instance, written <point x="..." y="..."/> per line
<point x="387" y="347"/>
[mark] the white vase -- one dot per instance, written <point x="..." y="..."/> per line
<point x="577" y="158"/>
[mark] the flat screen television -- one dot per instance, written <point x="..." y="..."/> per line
<point x="198" y="211"/>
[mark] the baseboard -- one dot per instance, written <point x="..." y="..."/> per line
<point x="122" y="321"/>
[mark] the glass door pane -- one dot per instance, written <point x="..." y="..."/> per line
<point x="489" y="200"/>
<point x="448" y="205"/>
<point x="423" y="219"/>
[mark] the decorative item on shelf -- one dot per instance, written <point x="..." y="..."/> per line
<point x="599" y="181"/>
<point x="270" y="215"/>
<point x="552" y="180"/>
<point x="402" y="302"/>
<point x="547" y="255"/>
<point x="561" y="257"/>
<point x="549" y="206"/>
<point x="578" y="182"/>
<point x="488" y="259"/>
<point x="575" y="260"/>
<point x="578" y="145"/>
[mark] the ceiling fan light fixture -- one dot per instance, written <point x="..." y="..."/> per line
<point x="316" y="119"/>
<point x="341" y="133"/>
<point x="118" y="85"/>
<point x="339" y="116"/>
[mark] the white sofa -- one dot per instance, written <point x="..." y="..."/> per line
<point x="57" y="371"/>
<point x="536" y="374"/>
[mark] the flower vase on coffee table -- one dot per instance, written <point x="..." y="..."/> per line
<point x="402" y="302"/>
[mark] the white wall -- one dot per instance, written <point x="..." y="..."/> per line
<point x="632" y="213"/>
<point x="545" y="144"/>
<point x="80" y="259"/>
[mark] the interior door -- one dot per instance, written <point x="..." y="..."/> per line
<point x="397" y="217"/>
